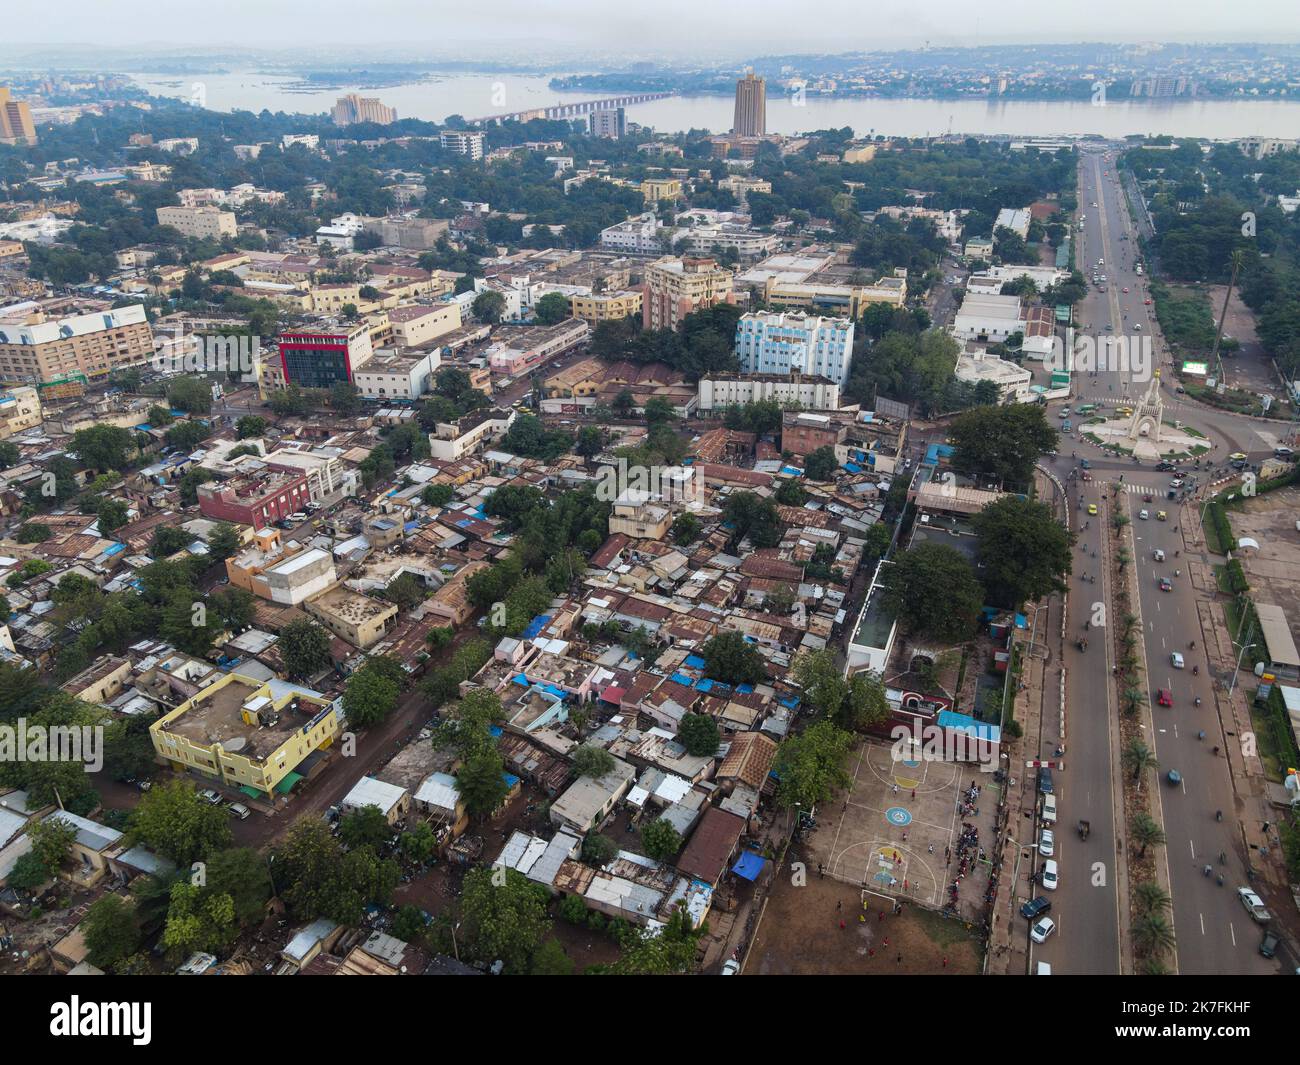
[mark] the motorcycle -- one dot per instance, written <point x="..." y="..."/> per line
<point x="1196" y="671"/>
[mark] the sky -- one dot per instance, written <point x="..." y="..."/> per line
<point x="716" y="30"/>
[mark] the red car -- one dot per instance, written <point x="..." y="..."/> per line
<point x="1147" y="302"/>
<point x="1164" y="697"/>
<point x="1125" y="288"/>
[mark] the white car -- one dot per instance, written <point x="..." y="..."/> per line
<point x="212" y="796"/>
<point x="1254" y="905"/>
<point x="1144" y="514"/>
<point x="730" y="967"/>
<point x="1049" y="809"/>
<point x="1176" y="482"/>
<point x="1158" y="555"/>
<point x="1049" y="878"/>
<point x="1042" y="930"/>
<point x="1047" y="843"/>
<point x="1176" y="660"/>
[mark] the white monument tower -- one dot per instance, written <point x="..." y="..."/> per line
<point x="1149" y="413"/>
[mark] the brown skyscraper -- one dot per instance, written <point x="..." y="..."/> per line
<point x="16" y="125"/>
<point x="751" y="107"/>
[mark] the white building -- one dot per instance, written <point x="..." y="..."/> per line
<point x="640" y="235"/>
<point x="341" y="231"/>
<point x="790" y="342"/>
<point x="1015" y="219"/>
<point x="987" y="318"/>
<point x="1013" y="381"/>
<point x="397" y="375"/>
<point x="722" y="390"/>
<point x="462" y="142"/>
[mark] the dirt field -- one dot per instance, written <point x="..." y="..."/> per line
<point x="895" y="831"/>
<point x="800" y="935"/>
<point x="1273" y="570"/>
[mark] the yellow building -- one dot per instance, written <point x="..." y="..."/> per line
<point x="606" y="306"/>
<point x="245" y="733"/>
<point x="863" y="153"/>
<point x="676" y="287"/>
<point x="656" y="189"/>
<point x="16" y="126"/>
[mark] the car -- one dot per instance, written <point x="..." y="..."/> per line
<point x="1045" y="780"/>
<point x="1158" y="554"/>
<point x="1176" y="659"/>
<point x="1165" y="586"/>
<point x="1042" y="930"/>
<point x="1049" y="877"/>
<point x="1268" y="945"/>
<point x="1086" y="464"/>
<point x="1176" y="482"/>
<point x="1064" y="412"/>
<point x="1254" y="905"/>
<point x="1144" y="514"/>
<point x="1049" y="810"/>
<point x="730" y="967"/>
<point x="1047" y="843"/>
<point x="1164" y="697"/>
<point x="1161" y="515"/>
<point x="1165" y="467"/>
<point x="212" y="796"/>
<point x="1126" y="288"/>
<point x="1092" y="508"/>
<point x="1146" y="302"/>
<point x="239" y="810"/>
<point x="1137" y="326"/>
<point x="1035" y="908"/>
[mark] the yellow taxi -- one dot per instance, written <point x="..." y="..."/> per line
<point x="1092" y="508"/>
<point x="1161" y="516"/>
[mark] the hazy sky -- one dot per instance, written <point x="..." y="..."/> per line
<point x="717" y="29"/>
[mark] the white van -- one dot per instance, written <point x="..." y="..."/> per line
<point x="1049" y="809"/>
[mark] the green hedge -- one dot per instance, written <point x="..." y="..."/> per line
<point x="1237" y="583"/>
<point x="1218" y="529"/>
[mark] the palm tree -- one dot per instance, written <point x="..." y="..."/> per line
<point x="1141" y="757"/>
<point x="1133" y="698"/>
<point x="1152" y="934"/>
<point x="1147" y="833"/>
<point x="1119" y="520"/>
<point x="1154" y="966"/>
<point x="1152" y="898"/>
<point x="1235" y="260"/>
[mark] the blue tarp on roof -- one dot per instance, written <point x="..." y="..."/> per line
<point x="744" y="689"/>
<point x="536" y="625"/>
<point x="408" y="526"/>
<point x="853" y="467"/>
<point x="695" y="661"/>
<point x="682" y="678"/>
<point x="521" y="679"/>
<point x="935" y="451"/>
<point x="551" y="689"/>
<point x="705" y="685"/>
<point x="792" y="471"/>
<point x="114" y="549"/>
<point x="749" y="865"/>
<point x="789" y="702"/>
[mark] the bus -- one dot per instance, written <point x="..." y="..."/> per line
<point x="1085" y="409"/>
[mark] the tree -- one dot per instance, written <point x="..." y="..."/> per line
<point x="366" y="827"/>
<point x="932" y="589"/>
<point x="550" y="960"/>
<point x="110" y="931"/>
<point x="598" y="850"/>
<point x="1146" y="832"/>
<point x="34" y="532"/>
<point x="820" y="465"/>
<point x="503" y="922"/>
<point x="1001" y="442"/>
<point x="369" y="697"/>
<point x="104" y="447"/>
<point x="305" y="648"/>
<point x="187" y="435"/>
<point x="198" y="919"/>
<point x="589" y="761"/>
<point x="670" y="951"/>
<point x="685" y="528"/>
<point x="437" y="495"/>
<point x="249" y="427"/>
<point x="317" y="879"/>
<point x="551" y="309"/>
<point x="28" y="873"/>
<point x="419" y="844"/>
<point x="52" y="841"/>
<point x="810" y="765"/>
<point x="660" y="840"/>
<point x="191" y="394"/>
<point x="1139" y="757"/>
<point x="176" y="822"/>
<point x="699" y="734"/>
<point x="241" y="873"/>
<point x="1152" y="933"/>
<point x="728" y="657"/>
<point x="345" y="398"/>
<point x="1023" y="550"/>
<point x="223" y="542"/>
<point x="752" y="517"/>
<point x="482" y="784"/>
<point x="489" y="306"/>
<point x="111" y="514"/>
<point x="1151" y="897"/>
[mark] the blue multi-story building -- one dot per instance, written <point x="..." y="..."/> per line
<point x="769" y="342"/>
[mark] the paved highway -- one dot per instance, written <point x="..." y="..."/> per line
<point x="1214" y="933"/>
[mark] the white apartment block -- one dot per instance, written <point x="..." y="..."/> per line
<point x="786" y="343"/>
<point x="719" y="391"/>
<point x="397" y="375"/>
<point x="462" y="142"/>
<point x="988" y="318"/>
<point x="1013" y="381"/>
<point x="641" y="235"/>
<point x="199" y="223"/>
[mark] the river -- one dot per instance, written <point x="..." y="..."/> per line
<point x="475" y="95"/>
